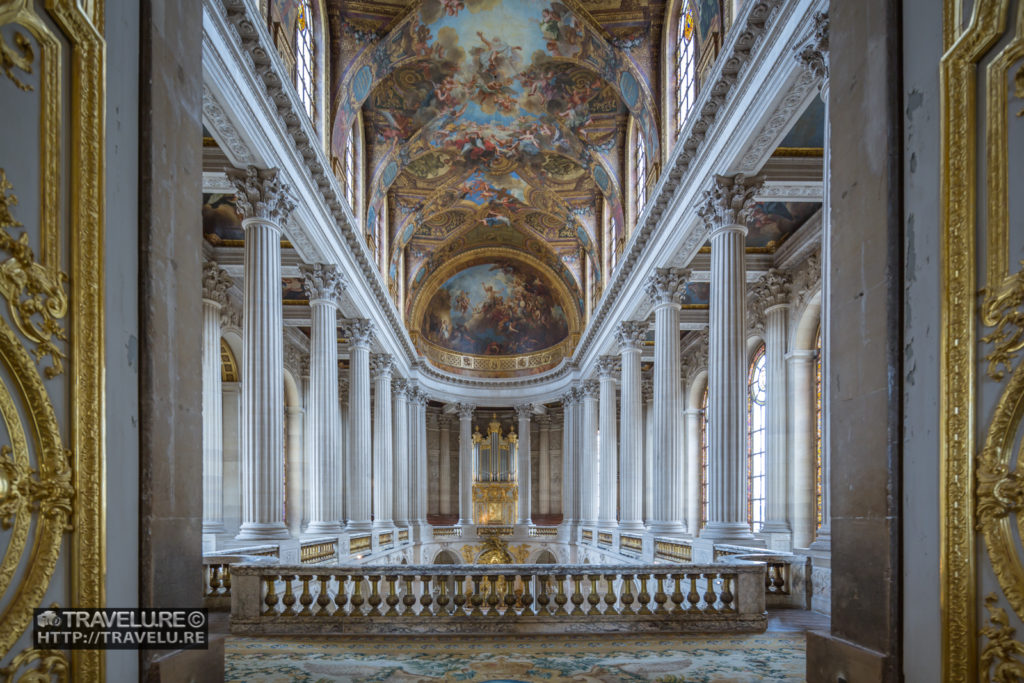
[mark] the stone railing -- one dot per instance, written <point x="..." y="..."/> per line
<point x="318" y="551"/>
<point x="269" y="599"/>
<point x="786" y="578"/>
<point x="217" y="572"/>
<point x="543" y="531"/>
<point x="447" y="532"/>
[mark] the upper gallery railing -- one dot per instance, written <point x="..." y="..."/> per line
<point x="268" y="598"/>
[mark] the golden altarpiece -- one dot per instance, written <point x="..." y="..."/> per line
<point x="495" y="491"/>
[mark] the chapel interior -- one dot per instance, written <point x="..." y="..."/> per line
<point x="690" y="328"/>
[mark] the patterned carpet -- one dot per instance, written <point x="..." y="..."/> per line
<point x="773" y="656"/>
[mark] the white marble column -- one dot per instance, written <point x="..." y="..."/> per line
<point x="523" y="473"/>
<point x="465" y="412"/>
<point x="691" y="492"/>
<point x="665" y="288"/>
<point x="400" y="461"/>
<point x="630" y="336"/>
<point x="215" y="296"/>
<point x="444" y="463"/>
<point x="772" y="293"/>
<point x="296" y="494"/>
<point x="419" y="405"/>
<point x="570" y="471"/>
<point x="323" y="285"/>
<point x="359" y="332"/>
<point x="544" y="464"/>
<point x="647" y="396"/>
<point x="589" y="455"/>
<point x="802" y="429"/>
<point x="724" y="212"/>
<point x="344" y="444"/>
<point x="608" y="470"/>
<point x="380" y="371"/>
<point x="265" y="203"/>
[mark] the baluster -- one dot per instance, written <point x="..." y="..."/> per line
<point x="306" y="599"/>
<point x="510" y="595"/>
<point x="693" y="597"/>
<point x="288" y="600"/>
<point x="660" y="598"/>
<point x="442" y="600"/>
<point x="526" y="599"/>
<point x="726" y="594"/>
<point x="392" y="597"/>
<point x="357" y="596"/>
<point x="374" y="600"/>
<point x="226" y="580"/>
<point x="341" y="597"/>
<point x="561" y="598"/>
<point x="610" y="597"/>
<point x="426" y="599"/>
<point x="677" y="593"/>
<point x="594" y="599"/>
<point x="644" y="596"/>
<point x="323" y="599"/>
<point x="214" y="579"/>
<point x="627" y="594"/>
<point x="460" y="597"/>
<point x="492" y="598"/>
<point x="577" y="596"/>
<point x="780" y="578"/>
<point x="476" y="599"/>
<point x="542" y="594"/>
<point x="710" y="598"/>
<point x="271" y="600"/>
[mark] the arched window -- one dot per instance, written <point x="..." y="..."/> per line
<point x="350" y="169"/>
<point x="304" y="70"/>
<point x="686" y="65"/>
<point x="639" y="171"/>
<point x="818" y="483"/>
<point x="704" y="459"/>
<point x="756" y="433"/>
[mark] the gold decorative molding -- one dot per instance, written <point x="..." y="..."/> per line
<point x="1002" y="651"/>
<point x="50" y="665"/>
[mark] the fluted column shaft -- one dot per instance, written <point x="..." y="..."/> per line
<point x="465" y="463"/>
<point x="824" y="533"/>
<point x="444" y="464"/>
<point x="570" y="473"/>
<point x="400" y="461"/>
<point x="801" y="447"/>
<point x="359" y="481"/>
<point x="608" y="468"/>
<point x="544" y="465"/>
<point x="523" y="474"/>
<point x="647" y="392"/>
<point x="382" y="443"/>
<point x="589" y="456"/>
<point x="692" y="497"/>
<point x="632" y="438"/>
<point x="776" y="323"/>
<point x="213" y="421"/>
<point x="727" y="407"/>
<point x="418" y="445"/>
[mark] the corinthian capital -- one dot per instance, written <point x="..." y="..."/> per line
<point x="261" y="194"/>
<point x="772" y="289"/>
<point x="381" y="364"/>
<point x="729" y="200"/>
<point x="524" y="411"/>
<point x="607" y="366"/>
<point x="630" y="333"/>
<point x="358" y="330"/>
<point x="216" y="283"/>
<point x="591" y="388"/>
<point x="398" y="387"/>
<point x="666" y="285"/>
<point x="322" y="282"/>
<point x="814" y="55"/>
<point x="465" y="410"/>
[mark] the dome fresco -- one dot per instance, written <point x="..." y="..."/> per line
<point x="499" y="308"/>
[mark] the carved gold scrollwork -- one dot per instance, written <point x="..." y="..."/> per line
<point x="1002" y="657"/>
<point x="19" y="57"/>
<point x="50" y="666"/>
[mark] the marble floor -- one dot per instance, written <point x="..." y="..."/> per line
<point x="776" y="656"/>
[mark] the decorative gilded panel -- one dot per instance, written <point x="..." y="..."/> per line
<point x="51" y="363"/>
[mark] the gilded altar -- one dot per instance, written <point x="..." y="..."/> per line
<point x="495" y="491"/>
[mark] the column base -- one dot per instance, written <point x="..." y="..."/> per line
<point x="674" y="528"/>
<point x="262" y="531"/>
<point x="356" y="527"/>
<point x="213" y="527"/>
<point x="524" y="522"/>
<point x="324" y="528"/>
<point x="634" y="525"/>
<point x="383" y="525"/>
<point x="608" y="524"/>
<point x="727" y="532"/>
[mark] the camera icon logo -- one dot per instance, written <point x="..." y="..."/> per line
<point x="47" y="618"/>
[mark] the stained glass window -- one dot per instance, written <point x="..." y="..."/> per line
<point x="639" y="169"/>
<point x="704" y="459"/>
<point x="686" y="66"/>
<point x="350" y="168"/>
<point x="818" y="483"/>
<point x="756" y="436"/>
<point x="304" y="58"/>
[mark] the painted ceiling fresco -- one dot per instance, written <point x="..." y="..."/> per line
<point x="502" y="308"/>
<point x="771" y="223"/>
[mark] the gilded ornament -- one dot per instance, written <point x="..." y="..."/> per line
<point x="19" y="57"/>
<point x="1003" y="656"/>
<point x="50" y="666"/>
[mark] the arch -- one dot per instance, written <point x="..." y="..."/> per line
<point x="695" y="395"/>
<point x="544" y="556"/>
<point x="304" y="47"/>
<point x="446" y="557"/>
<point x="637" y="173"/>
<point x="228" y="365"/>
<point x="757" y="431"/>
<point x="807" y="322"/>
<point x="680" y="55"/>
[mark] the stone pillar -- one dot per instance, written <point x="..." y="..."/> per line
<point x="665" y="288"/>
<point x="691" y="493"/>
<point x="444" y="463"/>
<point x="296" y="493"/>
<point x="647" y="396"/>
<point x="570" y="472"/>
<point x="344" y="443"/>
<point x="400" y="460"/>
<point x="589" y="456"/>
<point x="465" y="411"/>
<point x="418" y="447"/>
<point x="380" y="370"/>
<point x="772" y="293"/>
<point x="323" y="285"/>
<point x="265" y="203"/>
<point x="359" y="482"/>
<point x="523" y="412"/>
<point x="630" y="336"/>
<point x="724" y="212"/>
<point x="802" y="429"/>
<point x="544" y="464"/>
<point x="608" y="470"/>
<point x="215" y="297"/>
